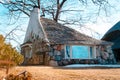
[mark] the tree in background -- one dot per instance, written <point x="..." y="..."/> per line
<point x="54" y="9"/>
<point x="66" y="12"/>
<point x="7" y="53"/>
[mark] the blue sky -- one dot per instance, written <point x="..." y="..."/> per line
<point x="102" y="24"/>
<point x="7" y="25"/>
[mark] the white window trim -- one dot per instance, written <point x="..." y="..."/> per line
<point x="71" y="52"/>
<point x="94" y="51"/>
<point x="89" y="52"/>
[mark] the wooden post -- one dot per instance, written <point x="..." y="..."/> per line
<point x="7" y="69"/>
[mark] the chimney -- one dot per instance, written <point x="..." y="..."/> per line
<point x="35" y="28"/>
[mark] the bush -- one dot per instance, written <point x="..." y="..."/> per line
<point x="8" y="53"/>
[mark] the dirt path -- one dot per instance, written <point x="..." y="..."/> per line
<point x="51" y="73"/>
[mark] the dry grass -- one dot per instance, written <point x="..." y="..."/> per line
<point x="54" y="73"/>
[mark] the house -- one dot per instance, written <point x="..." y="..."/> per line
<point x="49" y="43"/>
<point x="113" y="35"/>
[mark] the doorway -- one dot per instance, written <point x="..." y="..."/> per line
<point x="43" y="58"/>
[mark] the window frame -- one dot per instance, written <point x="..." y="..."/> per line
<point x="93" y="56"/>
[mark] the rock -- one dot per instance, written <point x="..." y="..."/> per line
<point x="53" y="63"/>
<point x="22" y="76"/>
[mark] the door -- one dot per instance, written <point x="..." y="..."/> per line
<point x="42" y="59"/>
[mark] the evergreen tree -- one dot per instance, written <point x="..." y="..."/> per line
<point x="7" y="53"/>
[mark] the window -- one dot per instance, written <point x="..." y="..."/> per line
<point x="67" y="52"/>
<point x="91" y="52"/>
<point x="79" y="52"/>
<point x="28" y="53"/>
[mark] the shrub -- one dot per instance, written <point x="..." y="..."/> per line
<point x="8" y="53"/>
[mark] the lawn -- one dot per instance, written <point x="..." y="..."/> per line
<point x="58" y="73"/>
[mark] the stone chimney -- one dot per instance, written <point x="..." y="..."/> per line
<point x="35" y="28"/>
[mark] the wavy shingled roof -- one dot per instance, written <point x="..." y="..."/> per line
<point x="59" y="34"/>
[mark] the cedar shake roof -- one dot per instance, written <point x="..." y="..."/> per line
<point x="59" y="34"/>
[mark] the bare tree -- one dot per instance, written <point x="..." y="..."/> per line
<point x="58" y="10"/>
<point x="48" y="7"/>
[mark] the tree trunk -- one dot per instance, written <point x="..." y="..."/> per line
<point x="39" y="4"/>
<point x="59" y="6"/>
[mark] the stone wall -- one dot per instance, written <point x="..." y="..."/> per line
<point x="56" y="56"/>
<point x="105" y="55"/>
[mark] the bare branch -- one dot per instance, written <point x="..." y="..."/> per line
<point x="11" y="32"/>
<point x="71" y="11"/>
<point x="54" y="9"/>
<point x="59" y="6"/>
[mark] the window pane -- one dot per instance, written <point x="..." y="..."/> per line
<point x="67" y="51"/>
<point x="80" y="52"/>
<point x="91" y="52"/>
